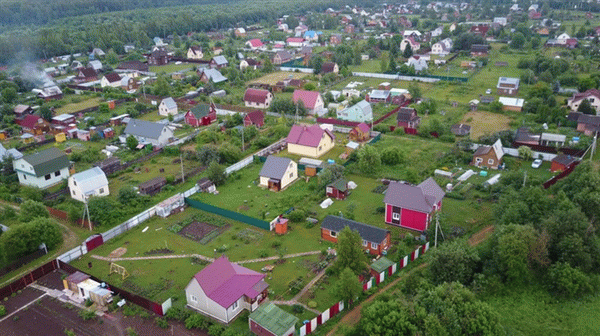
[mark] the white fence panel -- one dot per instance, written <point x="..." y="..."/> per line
<point x="325" y="316"/>
<point x="303" y="70"/>
<point x="395" y="77"/>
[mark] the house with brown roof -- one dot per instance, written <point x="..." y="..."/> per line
<point x="311" y="141"/>
<point x="480" y="50"/>
<point x="86" y="75"/>
<point x="312" y="100"/>
<point x="281" y="57"/>
<point x="133" y="65"/>
<point x="195" y="53"/>
<point x="411" y="206"/>
<point x="22" y="110"/>
<point x="562" y="162"/>
<point x="591" y="95"/>
<point x="258" y="98"/>
<point x="33" y="124"/>
<point x="112" y="79"/>
<point x="256" y="118"/>
<point x="488" y="156"/>
<point x="330" y="67"/>
<point x="158" y="57"/>
<point x="407" y="117"/>
<point x="480" y="29"/>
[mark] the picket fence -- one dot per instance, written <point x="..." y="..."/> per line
<point x="325" y="316"/>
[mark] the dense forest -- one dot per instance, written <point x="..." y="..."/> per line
<point x="106" y="31"/>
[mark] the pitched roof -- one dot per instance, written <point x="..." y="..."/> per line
<point x="328" y="67"/>
<point x="307" y="135"/>
<point x="502" y="81"/>
<point x="256" y="117"/>
<point x="420" y="198"/>
<point x="47" y="161"/>
<point x="256" y="96"/>
<point x="294" y="40"/>
<point x="497" y="147"/>
<point x="169" y="103"/>
<point x="88" y="72"/>
<point x="460" y="129"/>
<point x="225" y="282"/>
<point x="363" y="127"/>
<point x="90" y="180"/>
<point x="133" y="65"/>
<point x="407" y="114"/>
<point x="565" y="160"/>
<point x="480" y="48"/>
<point x="255" y="43"/>
<point x="369" y="233"/>
<point x="381" y="264"/>
<point x="274" y="319"/>
<point x="509" y="101"/>
<point x="200" y="110"/>
<point x="275" y="167"/>
<point x="379" y="94"/>
<point x="112" y="77"/>
<point x="589" y="93"/>
<point x="284" y="55"/>
<point x="29" y="121"/>
<point x="143" y="128"/>
<point x="21" y="108"/>
<point x="309" y="98"/>
<point x="213" y="74"/>
<point x="220" y="60"/>
<point x="339" y="184"/>
<point x="15" y="154"/>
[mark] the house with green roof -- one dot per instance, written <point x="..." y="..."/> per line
<point x="43" y="169"/>
<point x="337" y="189"/>
<point x="380" y="265"/>
<point x="201" y="115"/>
<point x="270" y="320"/>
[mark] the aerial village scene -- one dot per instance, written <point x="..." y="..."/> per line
<point x="288" y="168"/>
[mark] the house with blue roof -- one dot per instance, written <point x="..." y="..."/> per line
<point x="312" y="35"/>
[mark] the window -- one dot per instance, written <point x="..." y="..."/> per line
<point x="365" y="243"/>
<point x="329" y="190"/>
<point x="47" y="177"/>
<point x="478" y="160"/>
<point x="320" y="148"/>
<point x="396" y="216"/>
<point x="234" y="305"/>
<point x="57" y="173"/>
<point x="74" y="182"/>
<point x="490" y="161"/>
<point x="193" y="298"/>
<point x="374" y="245"/>
<point x="101" y="190"/>
<point x="333" y="233"/>
<point x="73" y="192"/>
<point x="24" y="177"/>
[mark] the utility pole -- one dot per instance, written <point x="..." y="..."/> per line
<point x="242" y="139"/>
<point x="86" y="210"/>
<point x="181" y="164"/>
<point x="524" y="179"/>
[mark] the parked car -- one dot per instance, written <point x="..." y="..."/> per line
<point x="536" y="163"/>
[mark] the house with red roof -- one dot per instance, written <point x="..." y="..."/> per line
<point x="258" y="98"/>
<point x="295" y="42"/>
<point x="33" y="124"/>
<point x="361" y="132"/>
<point x="222" y="290"/>
<point x="86" y="75"/>
<point x="411" y="206"/>
<point x="480" y="29"/>
<point x="254" y="44"/>
<point x="311" y="141"/>
<point x="256" y="118"/>
<point x="414" y="45"/>
<point x="312" y="100"/>
<point x="592" y="96"/>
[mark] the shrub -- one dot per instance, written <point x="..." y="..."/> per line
<point x="87" y="314"/>
<point x="297" y="309"/>
<point x="297" y="216"/>
<point x="177" y="313"/>
<point x="216" y="330"/>
<point x="131" y="332"/>
<point x="275" y="244"/>
<point x="2" y="310"/>
<point x="88" y="303"/>
<point x="263" y="253"/>
<point x="161" y="322"/>
<point x="196" y="321"/>
<point x="312" y="304"/>
<point x="569" y="282"/>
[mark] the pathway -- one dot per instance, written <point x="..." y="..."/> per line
<point x="353" y="316"/>
<point x="294" y="300"/>
<point x="199" y="256"/>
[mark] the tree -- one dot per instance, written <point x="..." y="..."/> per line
<point x="392" y="66"/>
<point x="131" y="142"/>
<point x="388" y="318"/>
<point x="350" y="252"/>
<point x="415" y="91"/>
<point x="512" y="251"/>
<point x="569" y="282"/>
<point x="454" y="261"/>
<point x="45" y="112"/>
<point x="104" y="211"/>
<point x="525" y="153"/>
<point x="208" y="154"/>
<point x="316" y="62"/>
<point x="391" y="156"/>
<point x="25" y="239"/>
<point x="369" y="159"/>
<point x="586" y="108"/>
<point x="9" y="95"/>
<point x="408" y="52"/>
<point x="161" y="87"/>
<point x="459" y="311"/>
<point x="31" y="210"/>
<point x="518" y="41"/>
<point x="216" y="173"/>
<point x="127" y="195"/>
<point x="347" y="288"/>
<point x="330" y="174"/>
<point x="111" y="57"/>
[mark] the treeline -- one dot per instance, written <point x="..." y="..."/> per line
<point x="112" y="31"/>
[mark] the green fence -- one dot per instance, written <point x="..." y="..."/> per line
<point x="228" y="214"/>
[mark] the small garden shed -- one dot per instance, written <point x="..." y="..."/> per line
<point x="152" y="187"/>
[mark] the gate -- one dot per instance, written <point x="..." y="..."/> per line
<point x="94" y="241"/>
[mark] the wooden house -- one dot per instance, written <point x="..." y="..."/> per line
<point x="489" y="156"/>
<point x="256" y="118"/>
<point x="338" y="189"/>
<point x="407" y="118"/>
<point x="153" y="186"/>
<point x="374" y="240"/>
<point x="201" y="115"/>
<point x="360" y="133"/>
<point x="277" y="173"/>
<point x="562" y="162"/>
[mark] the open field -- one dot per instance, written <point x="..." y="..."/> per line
<point x="278" y="76"/>
<point x="485" y="123"/>
<point x="171" y="67"/>
<point x="74" y="107"/>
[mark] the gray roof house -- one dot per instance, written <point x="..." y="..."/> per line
<point x="167" y="107"/>
<point x="277" y="173"/>
<point x="359" y="112"/>
<point x="42" y="169"/>
<point x="147" y="132"/>
<point x="12" y="152"/>
<point x="377" y="237"/>
<point x="211" y="74"/>
<point x="91" y="182"/>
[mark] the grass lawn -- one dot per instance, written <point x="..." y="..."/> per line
<point x="74" y="107"/>
<point x="278" y="76"/>
<point x="485" y="123"/>
<point x="373" y="65"/>
<point x="171" y="67"/>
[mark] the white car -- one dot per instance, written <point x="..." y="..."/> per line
<point x="488" y="91"/>
<point x="536" y="163"/>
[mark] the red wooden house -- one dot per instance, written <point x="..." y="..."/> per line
<point x="33" y="124"/>
<point x="256" y="118"/>
<point x="411" y="206"/>
<point x="562" y="162"/>
<point x="201" y="115"/>
<point x="407" y="118"/>
<point x="374" y="240"/>
<point x="337" y="189"/>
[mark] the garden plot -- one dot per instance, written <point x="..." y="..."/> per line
<point x="202" y="232"/>
<point x="273" y="78"/>
<point x="483" y="123"/>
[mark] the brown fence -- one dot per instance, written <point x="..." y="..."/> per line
<point x="188" y="174"/>
<point x="550" y="149"/>
<point x="22" y="261"/>
<point x="133" y="298"/>
<point x="56" y="194"/>
<point x="27" y="279"/>
<point x="34" y="144"/>
<point x="564" y="174"/>
<point x="62" y="215"/>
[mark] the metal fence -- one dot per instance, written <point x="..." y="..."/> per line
<point x="22" y="261"/>
<point x="239" y="165"/>
<point x="28" y="278"/>
<point x="421" y="78"/>
<point x="228" y="214"/>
